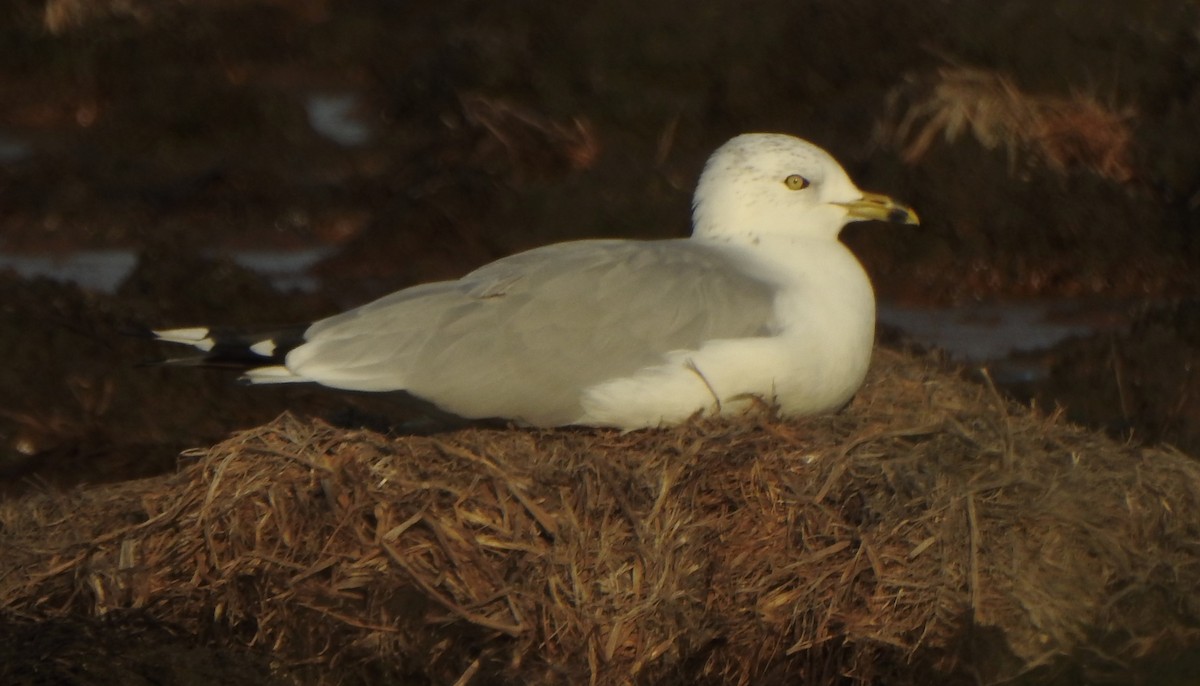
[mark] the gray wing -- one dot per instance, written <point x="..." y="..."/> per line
<point x="523" y="336"/>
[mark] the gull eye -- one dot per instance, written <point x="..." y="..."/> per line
<point x="796" y="182"/>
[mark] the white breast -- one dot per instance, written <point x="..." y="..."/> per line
<point x="813" y="361"/>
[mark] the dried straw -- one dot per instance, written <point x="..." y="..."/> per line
<point x="1062" y="133"/>
<point x="931" y="530"/>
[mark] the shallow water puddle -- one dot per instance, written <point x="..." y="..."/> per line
<point x="990" y="331"/>
<point x="104" y="270"/>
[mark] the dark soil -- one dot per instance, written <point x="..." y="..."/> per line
<point x="120" y="649"/>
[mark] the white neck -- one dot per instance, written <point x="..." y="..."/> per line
<point x="727" y="213"/>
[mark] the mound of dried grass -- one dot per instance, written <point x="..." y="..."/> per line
<point x="928" y="530"/>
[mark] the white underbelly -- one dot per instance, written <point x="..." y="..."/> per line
<point x="799" y="376"/>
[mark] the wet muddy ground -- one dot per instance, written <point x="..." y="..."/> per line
<point x="1050" y="150"/>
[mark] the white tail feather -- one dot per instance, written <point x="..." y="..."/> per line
<point x="197" y="336"/>
<point x="273" y="374"/>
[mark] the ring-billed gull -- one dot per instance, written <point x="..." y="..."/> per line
<point x="762" y="301"/>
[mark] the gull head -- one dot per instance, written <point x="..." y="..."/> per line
<point x="772" y="184"/>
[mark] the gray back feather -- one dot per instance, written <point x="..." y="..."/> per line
<point x="523" y="336"/>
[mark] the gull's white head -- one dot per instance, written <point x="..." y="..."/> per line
<point x="761" y="184"/>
